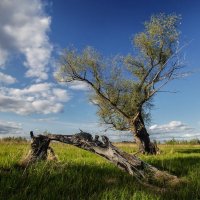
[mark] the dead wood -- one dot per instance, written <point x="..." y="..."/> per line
<point x="142" y="171"/>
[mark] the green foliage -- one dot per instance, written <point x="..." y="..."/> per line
<point x="83" y="175"/>
<point x="160" y="37"/>
<point x="124" y="86"/>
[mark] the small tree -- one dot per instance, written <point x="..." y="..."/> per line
<point x="123" y="87"/>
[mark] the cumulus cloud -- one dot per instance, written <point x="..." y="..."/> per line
<point x="23" y="29"/>
<point x="42" y="98"/>
<point x="79" y="85"/>
<point x="8" y="127"/>
<point x="60" y="94"/>
<point x="173" y="129"/>
<point x="170" y="127"/>
<point x="7" y="79"/>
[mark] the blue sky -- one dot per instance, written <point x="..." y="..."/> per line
<point x="34" y="32"/>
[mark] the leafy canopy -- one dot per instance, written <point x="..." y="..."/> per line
<point x="123" y="86"/>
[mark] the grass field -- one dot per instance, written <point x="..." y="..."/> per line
<point x="82" y="175"/>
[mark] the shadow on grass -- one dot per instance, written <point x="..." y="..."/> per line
<point x="188" y="151"/>
<point x="50" y="180"/>
<point x="70" y="181"/>
<point x="179" y="166"/>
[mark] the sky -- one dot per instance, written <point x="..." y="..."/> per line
<point x="33" y="33"/>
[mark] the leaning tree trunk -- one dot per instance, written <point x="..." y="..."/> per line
<point x="131" y="164"/>
<point x="142" y="137"/>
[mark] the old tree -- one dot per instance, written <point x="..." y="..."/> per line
<point x="124" y="86"/>
<point x="123" y="89"/>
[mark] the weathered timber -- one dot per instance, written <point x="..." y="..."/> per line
<point x="40" y="150"/>
<point x="142" y="171"/>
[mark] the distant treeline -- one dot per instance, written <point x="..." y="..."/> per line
<point x="13" y="139"/>
<point x="172" y="141"/>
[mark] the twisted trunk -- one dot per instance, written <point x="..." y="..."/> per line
<point x="131" y="164"/>
<point x="142" y="137"/>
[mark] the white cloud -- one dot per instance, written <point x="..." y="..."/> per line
<point x="3" y="56"/>
<point x="23" y="29"/>
<point x="78" y="85"/>
<point x="7" y="79"/>
<point x="42" y="98"/>
<point x="173" y="129"/>
<point x="170" y="127"/>
<point x="46" y="120"/>
<point x="60" y="94"/>
<point x="9" y="127"/>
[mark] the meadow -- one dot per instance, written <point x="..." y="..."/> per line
<point x="80" y="175"/>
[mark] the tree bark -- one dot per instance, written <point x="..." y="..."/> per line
<point x="142" y="137"/>
<point x="40" y="150"/>
<point x="131" y="164"/>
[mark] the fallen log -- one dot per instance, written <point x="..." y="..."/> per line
<point x="142" y="171"/>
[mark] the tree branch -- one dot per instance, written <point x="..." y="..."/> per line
<point x="99" y="93"/>
<point x="131" y="164"/>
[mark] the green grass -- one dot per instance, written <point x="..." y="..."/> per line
<point x="83" y="175"/>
